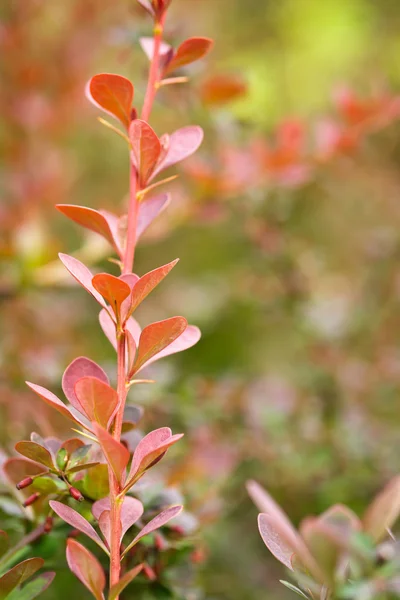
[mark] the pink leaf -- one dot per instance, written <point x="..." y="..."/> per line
<point x="73" y="518"/>
<point x="146" y="149"/>
<point x="116" y="454"/>
<point x="131" y="511"/>
<point x="384" y="510"/>
<point x="147" y="44"/>
<point x="277" y="544"/>
<point x="182" y="144"/>
<point x="98" y="400"/>
<point x="188" y="52"/>
<point x="54" y="402"/>
<point x="80" y="367"/>
<point x="113" y="289"/>
<point x="148" y="450"/>
<point x="159" y="521"/>
<point x="91" y="219"/>
<point x="149" y="209"/>
<point x="105" y="525"/>
<point x="156" y="337"/>
<point x="146" y="4"/>
<point x="82" y="275"/>
<point x="113" y="94"/>
<point x="87" y="568"/>
<point x="108" y="327"/>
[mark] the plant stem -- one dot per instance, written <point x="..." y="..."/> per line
<point x="153" y="81"/>
<point x="129" y="257"/>
<point x="115" y="501"/>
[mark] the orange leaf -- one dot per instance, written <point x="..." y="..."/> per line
<point x="116" y="454"/>
<point x="113" y="289"/>
<point x="97" y="399"/>
<point x="188" y="52"/>
<point x="146" y="149"/>
<point x="113" y="94"/>
<point x="157" y="336"/>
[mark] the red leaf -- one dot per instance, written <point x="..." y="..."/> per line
<point x="159" y="521"/>
<point x="80" y="367"/>
<point x="113" y="94"/>
<point x="18" y="575"/>
<point x="91" y="219"/>
<point x="188" y="52"/>
<point x="54" y="402"/>
<point x="186" y="340"/>
<point x="113" y="289"/>
<point x="182" y="143"/>
<point x="157" y="336"/>
<point x="98" y="400"/>
<point x="146" y="149"/>
<point x="148" y="450"/>
<point x="116" y="454"/>
<point x="149" y="209"/>
<point x="87" y="568"/>
<point x="73" y="518"/>
<point x="35" y="452"/>
<point x="147" y="283"/>
<point x="82" y="275"/>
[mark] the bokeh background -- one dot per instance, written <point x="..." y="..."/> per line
<point x="289" y="256"/>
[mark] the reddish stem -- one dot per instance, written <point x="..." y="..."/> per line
<point x="153" y="81"/>
<point x="116" y="502"/>
<point x="129" y="257"/>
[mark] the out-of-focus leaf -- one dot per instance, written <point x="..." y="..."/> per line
<point x="384" y="510"/>
<point x="82" y="467"/>
<point x="156" y="337"/>
<point x="18" y="575"/>
<point x="113" y="94"/>
<point x="36" y="453"/>
<point x="97" y="399"/>
<point x="95" y="483"/>
<point x="91" y="219"/>
<point x="159" y="521"/>
<point x="146" y="149"/>
<point x="221" y="89"/>
<point x="124" y="582"/>
<point x="181" y="144"/>
<point x="294" y="589"/>
<point x="116" y="454"/>
<point x="188" y="52"/>
<point x="48" y="485"/>
<point x="82" y="275"/>
<point x="73" y="518"/>
<point x="72" y="445"/>
<point x="149" y="450"/>
<point x="4" y="542"/>
<point x="113" y="289"/>
<point x="87" y="568"/>
<point x="33" y="588"/>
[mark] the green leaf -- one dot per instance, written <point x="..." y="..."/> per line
<point x="3" y="543"/>
<point x="34" y="588"/>
<point x="294" y="589"/>
<point x="95" y="483"/>
<point x="18" y="574"/>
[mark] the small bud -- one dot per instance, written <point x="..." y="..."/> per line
<point x="148" y="572"/>
<point x="48" y="525"/>
<point x="178" y="530"/>
<point x="29" y="501"/>
<point x="76" y="494"/>
<point x="74" y="533"/>
<point x="159" y="542"/>
<point x="24" y="483"/>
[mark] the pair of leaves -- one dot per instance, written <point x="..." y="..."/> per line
<point x="150" y="154"/>
<point x="110" y="226"/>
<point x="188" y="52"/>
<point x="87" y="388"/>
<point x="11" y="582"/>
<point x="85" y="566"/>
<point x="156" y="341"/>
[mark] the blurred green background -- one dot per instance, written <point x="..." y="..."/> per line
<point x="295" y="382"/>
